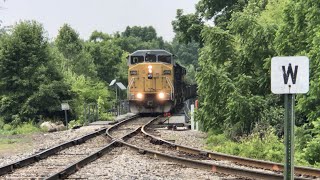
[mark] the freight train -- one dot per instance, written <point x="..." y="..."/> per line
<point x="156" y="82"/>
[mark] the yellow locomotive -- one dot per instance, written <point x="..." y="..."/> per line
<point x="155" y="82"/>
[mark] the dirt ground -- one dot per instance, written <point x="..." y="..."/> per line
<point x="16" y="144"/>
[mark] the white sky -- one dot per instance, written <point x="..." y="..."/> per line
<point x="86" y="16"/>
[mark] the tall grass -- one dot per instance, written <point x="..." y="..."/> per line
<point x="24" y="128"/>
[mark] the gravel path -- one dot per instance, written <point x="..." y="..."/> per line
<point x="44" y="141"/>
<point x="124" y="163"/>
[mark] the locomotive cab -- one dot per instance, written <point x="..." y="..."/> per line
<point x="151" y="81"/>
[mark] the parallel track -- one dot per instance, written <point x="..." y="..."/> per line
<point x="267" y="165"/>
<point x="134" y="134"/>
<point x="47" y="162"/>
<point x="114" y="133"/>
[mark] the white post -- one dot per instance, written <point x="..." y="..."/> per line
<point x="192" y="116"/>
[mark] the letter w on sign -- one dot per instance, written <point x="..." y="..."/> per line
<point x="288" y="73"/>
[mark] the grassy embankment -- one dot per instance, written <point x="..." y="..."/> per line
<point x="267" y="147"/>
<point x="14" y="139"/>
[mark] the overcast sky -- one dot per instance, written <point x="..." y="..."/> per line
<point x="107" y="16"/>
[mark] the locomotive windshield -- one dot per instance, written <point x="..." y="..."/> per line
<point x="164" y="58"/>
<point x="151" y="58"/>
<point x="137" y="59"/>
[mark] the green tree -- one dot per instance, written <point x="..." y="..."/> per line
<point x="106" y="55"/>
<point x="188" y="27"/>
<point x="134" y="38"/>
<point x="144" y="33"/>
<point x="77" y="58"/>
<point x="186" y="54"/>
<point x="30" y="84"/>
<point x="213" y="80"/>
<point x="240" y="61"/>
<point x="300" y="35"/>
<point x="221" y="11"/>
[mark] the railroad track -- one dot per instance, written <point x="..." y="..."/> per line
<point x="11" y="168"/>
<point x="48" y="162"/>
<point x="115" y="132"/>
<point x="301" y="172"/>
<point x="208" y="160"/>
<point x="62" y="161"/>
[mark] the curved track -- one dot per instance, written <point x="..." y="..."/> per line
<point x="301" y="172"/>
<point x="114" y="133"/>
<point x="63" y="160"/>
<point x="198" y="158"/>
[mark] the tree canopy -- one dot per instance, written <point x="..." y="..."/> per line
<point x="234" y="66"/>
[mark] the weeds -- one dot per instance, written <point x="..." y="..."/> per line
<point x="25" y="128"/>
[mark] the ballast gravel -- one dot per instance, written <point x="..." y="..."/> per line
<point x="125" y="163"/>
<point x="43" y="141"/>
<point x="195" y="139"/>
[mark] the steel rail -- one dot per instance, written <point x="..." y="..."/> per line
<point x="299" y="170"/>
<point x="192" y="163"/>
<point x="123" y="122"/>
<point x="46" y="153"/>
<point x="94" y="156"/>
<point x="81" y="163"/>
<point x="203" y="165"/>
<point x="51" y="151"/>
<point x="210" y="166"/>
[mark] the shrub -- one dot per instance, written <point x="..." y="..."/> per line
<point x="312" y="151"/>
<point x="1" y="122"/>
<point x="7" y="127"/>
<point x="74" y="123"/>
<point x="268" y="147"/>
<point x="26" y="128"/>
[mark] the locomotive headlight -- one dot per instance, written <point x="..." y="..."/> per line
<point x="161" y="95"/>
<point x="150" y="69"/>
<point x="139" y="96"/>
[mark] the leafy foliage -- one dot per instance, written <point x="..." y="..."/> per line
<point x="254" y="146"/>
<point x="106" y="57"/>
<point x="76" y="58"/>
<point x="29" y="83"/>
<point x="234" y="62"/>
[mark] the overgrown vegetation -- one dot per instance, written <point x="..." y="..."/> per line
<point x="230" y="62"/>
<point x="234" y="73"/>
<point x="24" y="128"/>
<point x="267" y="147"/>
<point x="37" y="75"/>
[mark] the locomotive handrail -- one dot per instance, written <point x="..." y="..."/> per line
<point x="171" y="87"/>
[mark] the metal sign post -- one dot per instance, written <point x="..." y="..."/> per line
<point x="289" y="76"/>
<point x="289" y="135"/>
<point x="121" y="87"/>
<point x="65" y="107"/>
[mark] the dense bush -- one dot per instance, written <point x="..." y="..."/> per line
<point x="24" y="128"/>
<point x="257" y="146"/>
